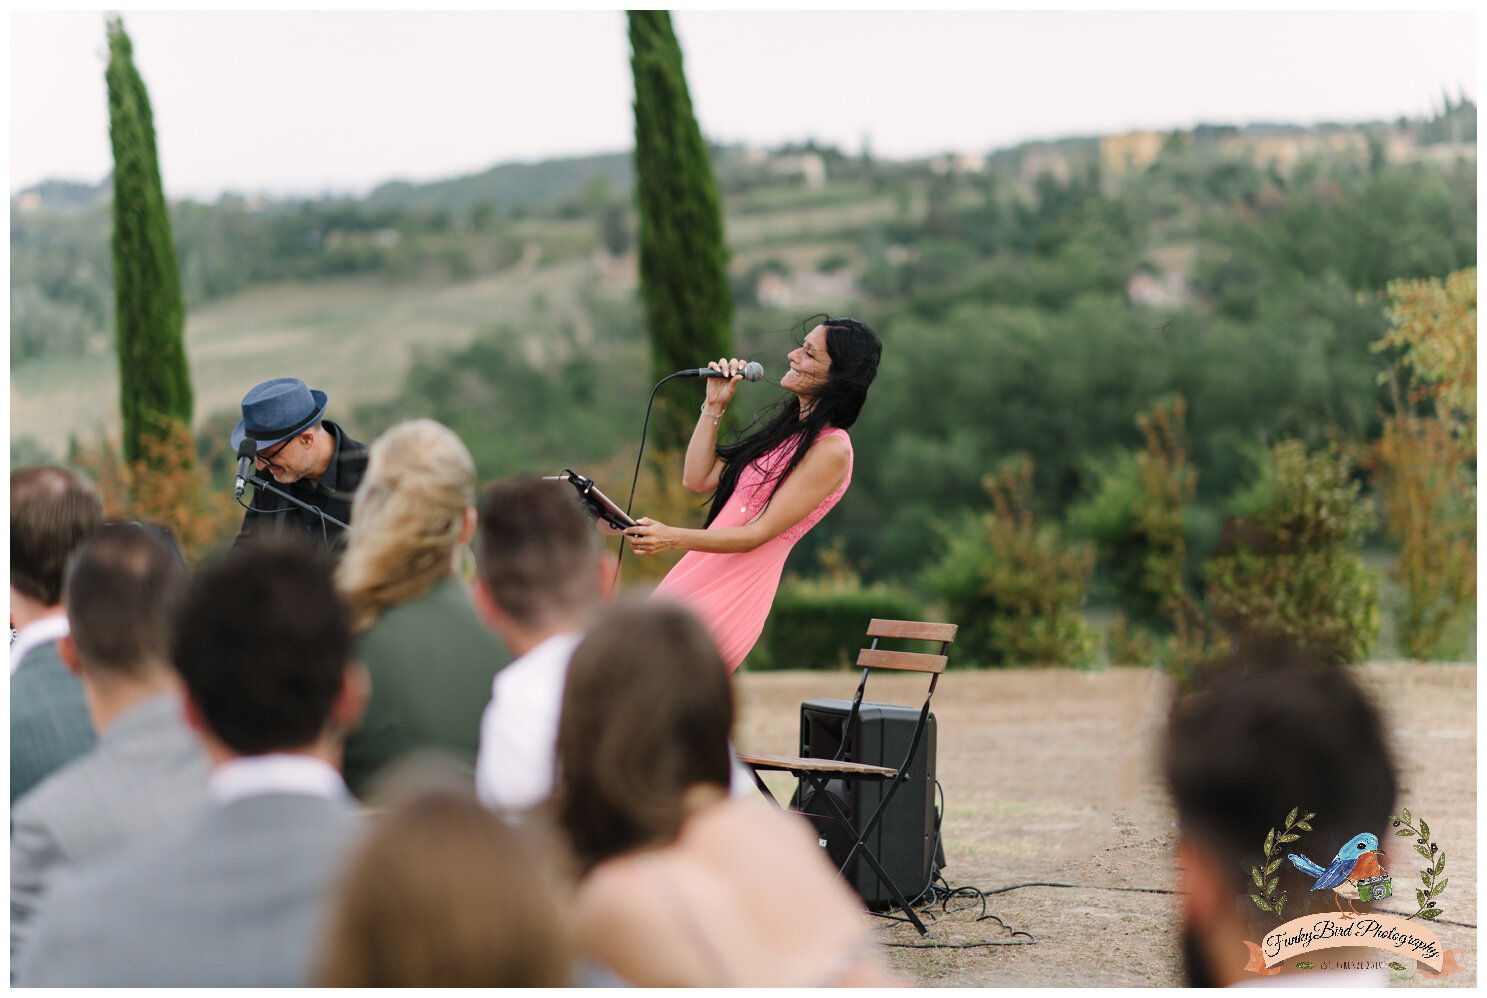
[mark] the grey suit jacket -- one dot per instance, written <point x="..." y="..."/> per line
<point x="146" y="777"/>
<point x="235" y="900"/>
<point x="49" y="721"/>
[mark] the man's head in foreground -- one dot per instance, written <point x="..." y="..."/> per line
<point x="1253" y="742"/>
<point x="263" y="645"/>
<point x="52" y="512"/>
<point x="539" y="561"/>
<point x="122" y="592"/>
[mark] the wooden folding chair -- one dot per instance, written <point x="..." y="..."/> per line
<point x="815" y="773"/>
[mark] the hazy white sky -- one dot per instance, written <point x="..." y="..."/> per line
<point x="305" y="102"/>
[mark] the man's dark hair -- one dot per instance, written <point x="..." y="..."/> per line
<point x="123" y="588"/>
<point x="537" y="551"/>
<point x="1260" y="738"/>
<point x="262" y="642"/>
<point x="52" y="511"/>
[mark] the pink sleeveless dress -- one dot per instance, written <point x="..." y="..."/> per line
<point x="732" y="593"/>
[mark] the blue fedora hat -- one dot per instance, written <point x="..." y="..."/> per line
<point x="276" y="410"/>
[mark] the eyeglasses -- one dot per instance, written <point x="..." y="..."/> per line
<point x="266" y="459"/>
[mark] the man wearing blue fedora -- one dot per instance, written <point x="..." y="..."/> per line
<point x="308" y="456"/>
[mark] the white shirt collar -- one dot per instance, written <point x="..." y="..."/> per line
<point x="36" y="634"/>
<point x="274" y="773"/>
<point x="560" y="644"/>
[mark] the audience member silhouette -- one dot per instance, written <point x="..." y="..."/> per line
<point x="445" y="894"/>
<point x="236" y="897"/>
<point x="681" y="883"/>
<point x="1264" y="734"/>
<point x="540" y="579"/>
<point x="52" y="512"/>
<point x="430" y="659"/>
<point x="148" y="771"/>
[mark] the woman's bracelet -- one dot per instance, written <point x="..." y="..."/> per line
<point x="717" y="416"/>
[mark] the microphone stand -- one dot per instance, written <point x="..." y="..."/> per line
<point x="325" y="517"/>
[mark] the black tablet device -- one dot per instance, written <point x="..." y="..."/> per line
<point x="596" y="502"/>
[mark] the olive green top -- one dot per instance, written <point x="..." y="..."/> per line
<point x="431" y="663"/>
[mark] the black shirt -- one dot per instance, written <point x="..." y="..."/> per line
<point x="332" y="494"/>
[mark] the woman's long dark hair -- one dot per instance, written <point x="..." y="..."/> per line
<point x="854" y="350"/>
<point x="647" y="711"/>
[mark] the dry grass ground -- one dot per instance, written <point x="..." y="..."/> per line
<point x="1051" y="776"/>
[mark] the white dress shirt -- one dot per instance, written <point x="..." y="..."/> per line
<point x="516" y="762"/>
<point x="36" y="634"/>
<point x="274" y="773"/>
<point x="519" y="729"/>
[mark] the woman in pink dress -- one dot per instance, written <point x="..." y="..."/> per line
<point x="769" y="487"/>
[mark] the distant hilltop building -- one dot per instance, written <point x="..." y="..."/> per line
<point x="1285" y="151"/>
<point x="1121" y="155"/>
<point x="1130" y="153"/>
<point x="1166" y="289"/>
<point x="1040" y="159"/>
<point x="808" y="165"/>
<point x="1161" y="281"/>
<point x="777" y="290"/>
<point x="957" y="163"/>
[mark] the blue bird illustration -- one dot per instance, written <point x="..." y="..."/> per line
<point x="1356" y="861"/>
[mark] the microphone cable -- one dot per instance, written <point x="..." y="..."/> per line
<point x="259" y="483"/>
<point x="636" y="478"/>
<point x="641" y="452"/>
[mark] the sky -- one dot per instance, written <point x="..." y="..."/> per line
<point x="308" y="103"/>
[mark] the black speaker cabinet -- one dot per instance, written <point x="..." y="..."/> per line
<point x="904" y="838"/>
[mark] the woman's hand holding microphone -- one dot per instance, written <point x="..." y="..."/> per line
<point x="652" y="536"/>
<point x="720" y="390"/>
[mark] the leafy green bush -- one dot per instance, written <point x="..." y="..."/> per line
<point x="1134" y="516"/>
<point x="1425" y="462"/>
<point x="1015" y="586"/>
<point x="1290" y="565"/>
<point x="1131" y="645"/>
<point x="833" y="262"/>
<point x="822" y="624"/>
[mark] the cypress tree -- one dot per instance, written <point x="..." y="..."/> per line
<point x="683" y="257"/>
<point x="154" y="381"/>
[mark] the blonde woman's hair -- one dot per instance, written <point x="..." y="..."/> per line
<point x="406" y="518"/>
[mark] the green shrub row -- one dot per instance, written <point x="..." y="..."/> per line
<point x="821" y="625"/>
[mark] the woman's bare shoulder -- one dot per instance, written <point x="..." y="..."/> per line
<point x="831" y="451"/>
<point x="741" y="826"/>
<point x="616" y="885"/>
<point x="833" y="441"/>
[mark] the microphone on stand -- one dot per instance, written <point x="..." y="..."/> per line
<point x="752" y="371"/>
<point x="247" y="455"/>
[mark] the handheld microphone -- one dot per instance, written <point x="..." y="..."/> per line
<point x="247" y="453"/>
<point x="752" y="371"/>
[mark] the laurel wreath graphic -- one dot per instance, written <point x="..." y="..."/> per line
<point x="1435" y="864"/>
<point x="1265" y="878"/>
